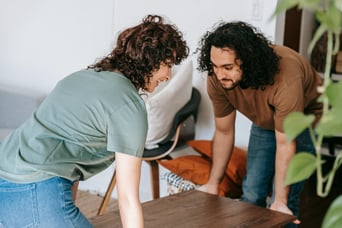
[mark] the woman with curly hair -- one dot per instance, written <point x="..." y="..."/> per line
<point x="91" y="118"/>
<point x="265" y="82"/>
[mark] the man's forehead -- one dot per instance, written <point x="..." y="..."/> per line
<point x="222" y="55"/>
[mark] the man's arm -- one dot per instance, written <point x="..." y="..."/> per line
<point x="285" y="151"/>
<point x="128" y="170"/>
<point x="223" y="144"/>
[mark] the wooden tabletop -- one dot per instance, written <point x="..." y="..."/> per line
<point x="198" y="209"/>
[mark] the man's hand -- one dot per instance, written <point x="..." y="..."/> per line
<point x="281" y="207"/>
<point x="223" y="144"/>
<point x="208" y="188"/>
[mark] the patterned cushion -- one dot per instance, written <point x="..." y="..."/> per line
<point x="176" y="184"/>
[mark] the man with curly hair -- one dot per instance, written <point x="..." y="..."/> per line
<point x="91" y="118"/>
<point x="265" y="82"/>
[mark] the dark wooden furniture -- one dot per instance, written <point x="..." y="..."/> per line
<point x="199" y="209"/>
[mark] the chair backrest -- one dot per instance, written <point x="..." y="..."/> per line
<point x="189" y="109"/>
<point x="169" y="143"/>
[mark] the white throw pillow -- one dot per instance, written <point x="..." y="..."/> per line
<point x="165" y="102"/>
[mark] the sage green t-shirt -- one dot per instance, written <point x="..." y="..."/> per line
<point x="74" y="132"/>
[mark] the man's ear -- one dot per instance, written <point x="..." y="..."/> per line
<point x="238" y="62"/>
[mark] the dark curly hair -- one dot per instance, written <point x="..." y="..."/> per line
<point x="259" y="61"/>
<point x="141" y="49"/>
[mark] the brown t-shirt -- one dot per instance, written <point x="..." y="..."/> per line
<point x="294" y="89"/>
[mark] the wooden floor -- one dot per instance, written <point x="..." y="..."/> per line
<point x="89" y="203"/>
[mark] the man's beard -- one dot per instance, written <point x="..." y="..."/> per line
<point x="232" y="86"/>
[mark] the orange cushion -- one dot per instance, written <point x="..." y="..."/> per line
<point x="236" y="168"/>
<point x="191" y="167"/>
<point x="196" y="169"/>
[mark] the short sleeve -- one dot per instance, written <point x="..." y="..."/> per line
<point x="287" y="99"/>
<point x="127" y="129"/>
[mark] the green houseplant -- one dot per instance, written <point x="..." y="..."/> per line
<point x="303" y="165"/>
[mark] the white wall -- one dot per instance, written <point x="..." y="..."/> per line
<point x="306" y="32"/>
<point x="42" y="41"/>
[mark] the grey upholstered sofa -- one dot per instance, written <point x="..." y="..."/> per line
<point x="15" y="107"/>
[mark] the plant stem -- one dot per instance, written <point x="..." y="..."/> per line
<point x="321" y="190"/>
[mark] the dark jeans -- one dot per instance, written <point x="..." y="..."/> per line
<point x="258" y="182"/>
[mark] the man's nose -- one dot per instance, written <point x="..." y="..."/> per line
<point x="219" y="74"/>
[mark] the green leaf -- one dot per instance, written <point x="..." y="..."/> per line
<point x="333" y="218"/>
<point x="330" y="18"/>
<point x="334" y="94"/>
<point x="313" y="5"/>
<point x="330" y="123"/>
<point x="333" y="19"/>
<point x="301" y="167"/>
<point x="338" y="4"/>
<point x="284" y="5"/>
<point x="295" y="123"/>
